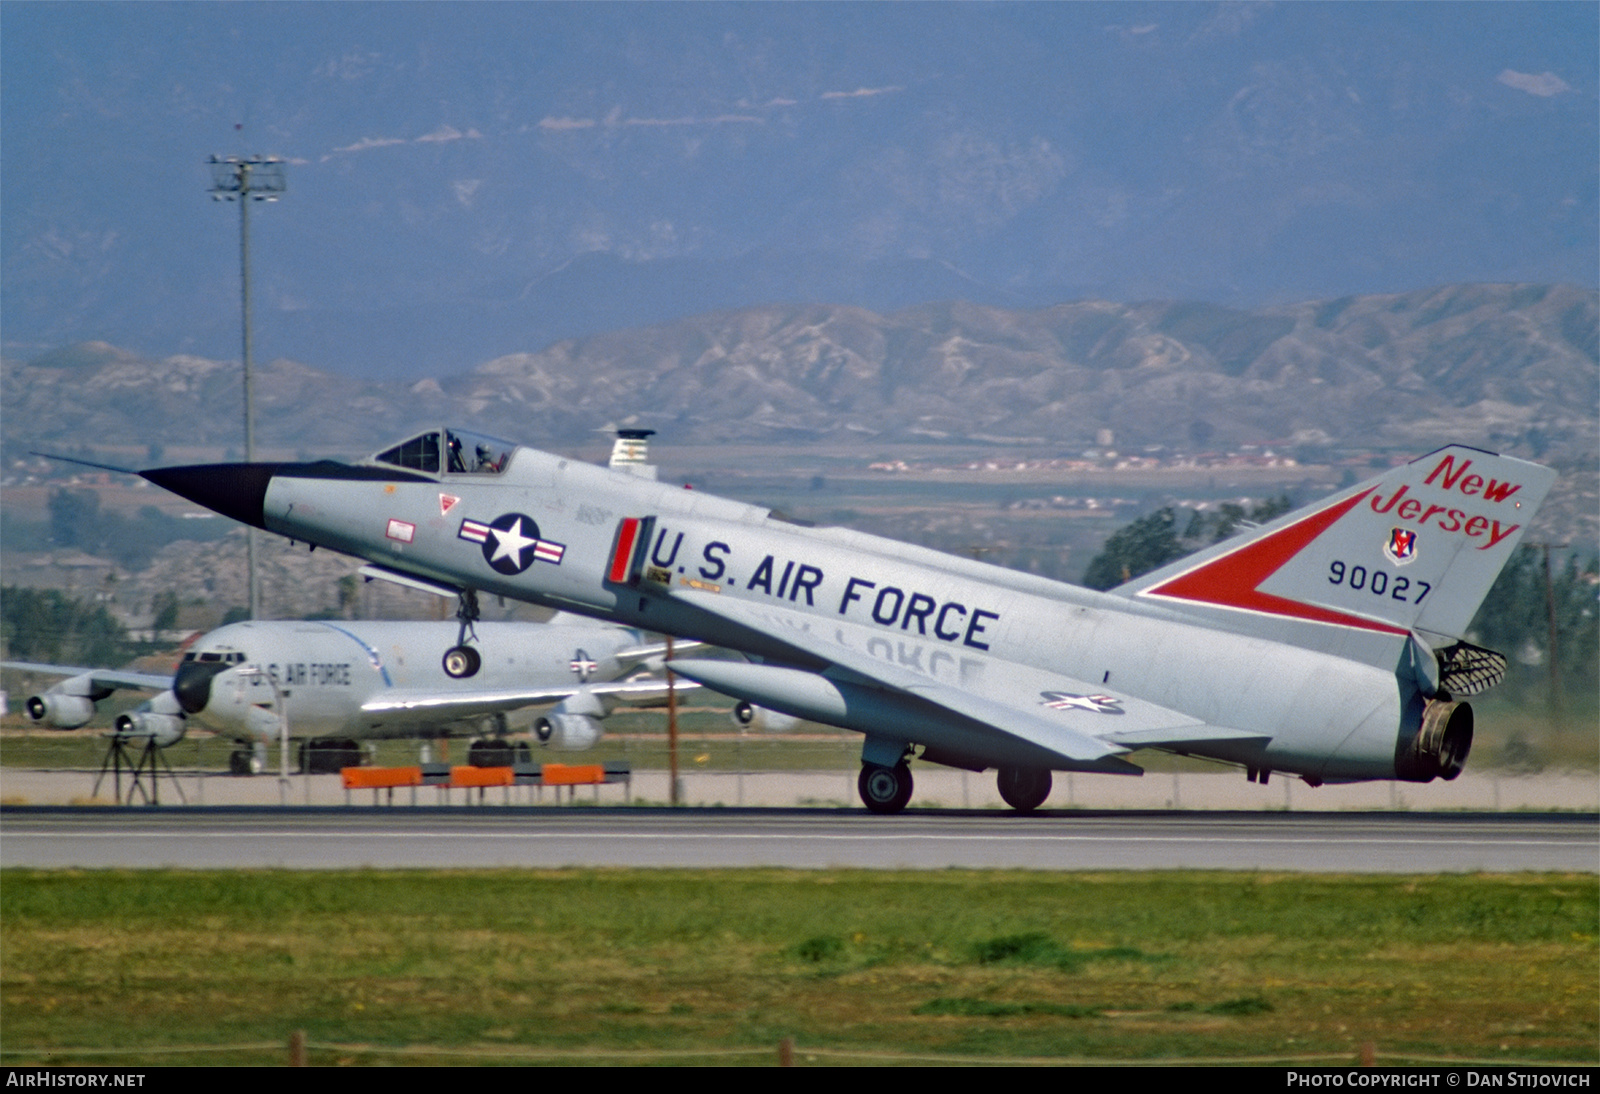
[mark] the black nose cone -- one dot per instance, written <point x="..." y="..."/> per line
<point x="192" y="685"/>
<point x="237" y="490"/>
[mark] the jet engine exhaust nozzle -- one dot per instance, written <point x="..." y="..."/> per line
<point x="1440" y="748"/>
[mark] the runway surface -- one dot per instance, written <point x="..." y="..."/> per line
<point x="807" y="839"/>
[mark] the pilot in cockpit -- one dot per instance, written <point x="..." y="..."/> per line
<point x="489" y="455"/>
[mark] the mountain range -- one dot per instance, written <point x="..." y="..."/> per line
<point x="1510" y="367"/>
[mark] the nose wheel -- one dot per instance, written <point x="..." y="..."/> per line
<point x="884" y="789"/>
<point x="461" y="662"/>
<point x="247" y="761"/>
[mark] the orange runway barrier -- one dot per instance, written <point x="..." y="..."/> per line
<point x="378" y="778"/>
<point x="445" y="777"/>
<point x="481" y="776"/>
<point x="572" y="774"/>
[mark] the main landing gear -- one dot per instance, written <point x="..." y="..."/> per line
<point x="1025" y="788"/>
<point x="885" y="789"/>
<point x="498" y="752"/>
<point x="328" y="756"/>
<point x="461" y="660"/>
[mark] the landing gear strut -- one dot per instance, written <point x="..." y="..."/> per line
<point x="248" y="760"/>
<point x="1025" y="788"/>
<point x="885" y="789"/>
<point x="461" y="660"/>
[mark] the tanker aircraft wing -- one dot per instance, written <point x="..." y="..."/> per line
<point x="71" y="703"/>
<point x="431" y="707"/>
<point x="99" y="679"/>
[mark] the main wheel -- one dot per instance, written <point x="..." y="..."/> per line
<point x="884" y="789"/>
<point x="461" y="662"/>
<point x="489" y="753"/>
<point x="329" y="756"/>
<point x="1025" y="788"/>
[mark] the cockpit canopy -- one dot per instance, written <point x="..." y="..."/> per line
<point x="463" y="453"/>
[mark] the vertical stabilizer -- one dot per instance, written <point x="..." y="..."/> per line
<point x="1416" y="549"/>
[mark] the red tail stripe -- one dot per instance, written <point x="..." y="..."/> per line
<point x="1233" y="580"/>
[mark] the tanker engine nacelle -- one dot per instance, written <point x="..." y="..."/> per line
<point x="68" y="705"/>
<point x="60" y="711"/>
<point x="749" y="716"/>
<point x="160" y="720"/>
<point x="161" y="729"/>
<point x="567" y="732"/>
<point x="572" y="724"/>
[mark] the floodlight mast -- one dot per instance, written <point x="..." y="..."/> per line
<point x="246" y="179"/>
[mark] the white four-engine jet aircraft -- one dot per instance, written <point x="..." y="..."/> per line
<point x="342" y="682"/>
<point x="1326" y="644"/>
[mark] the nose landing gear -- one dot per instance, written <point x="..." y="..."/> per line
<point x="461" y="660"/>
<point x="248" y="760"/>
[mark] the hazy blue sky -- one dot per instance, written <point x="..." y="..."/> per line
<point x="469" y="179"/>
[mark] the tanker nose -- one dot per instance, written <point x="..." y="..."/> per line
<point x="237" y="490"/>
<point x="192" y="684"/>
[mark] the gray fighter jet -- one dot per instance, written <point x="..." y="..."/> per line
<point x="1326" y="644"/>
<point x="342" y="682"/>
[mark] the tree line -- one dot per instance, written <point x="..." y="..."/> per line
<point x="48" y="625"/>
<point x="76" y="520"/>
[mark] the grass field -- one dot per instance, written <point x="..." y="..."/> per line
<point x="679" y="966"/>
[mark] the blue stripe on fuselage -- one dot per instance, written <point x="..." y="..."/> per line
<point x="372" y="654"/>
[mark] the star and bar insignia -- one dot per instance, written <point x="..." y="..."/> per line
<point x="583" y="666"/>
<point x="511" y="543"/>
<point x="1063" y="700"/>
